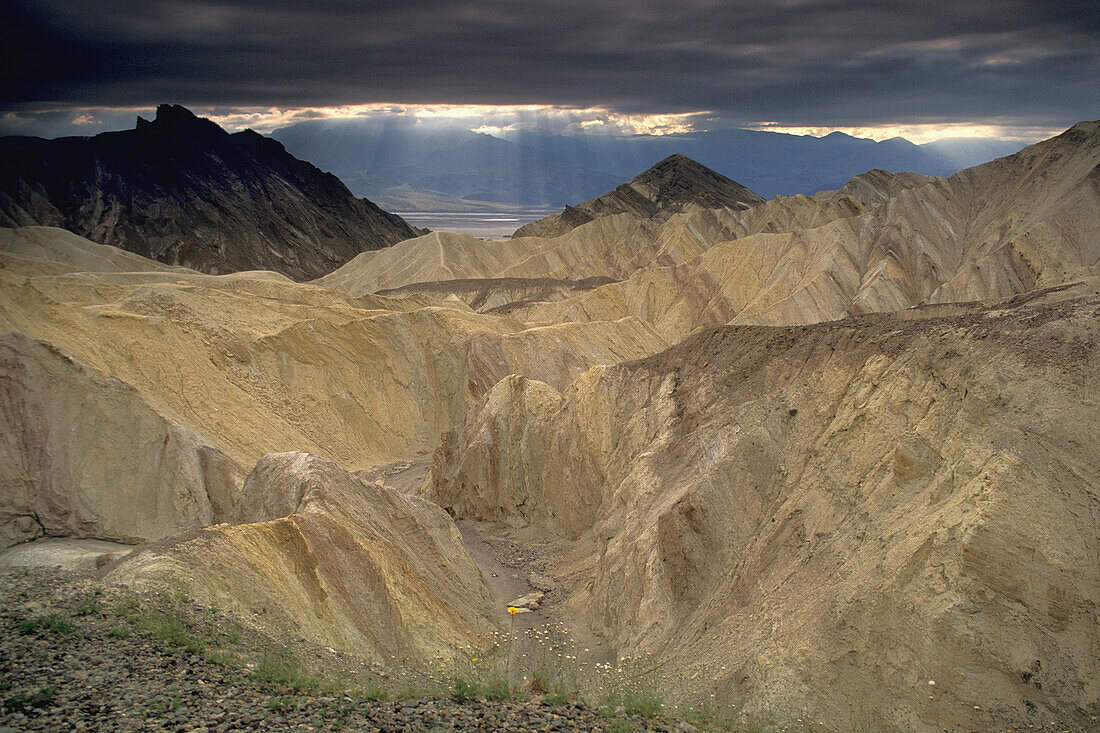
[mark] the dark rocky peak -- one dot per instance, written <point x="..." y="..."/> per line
<point x="667" y="188"/>
<point x="680" y="180"/>
<point x="181" y="190"/>
<point x="174" y="121"/>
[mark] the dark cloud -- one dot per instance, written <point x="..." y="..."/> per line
<point x="820" y="62"/>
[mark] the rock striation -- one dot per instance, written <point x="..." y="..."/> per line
<point x="180" y="190"/>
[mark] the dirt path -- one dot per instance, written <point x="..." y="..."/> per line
<point x="512" y="569"/>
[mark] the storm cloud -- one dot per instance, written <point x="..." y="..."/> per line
<point x="795" y="62"/>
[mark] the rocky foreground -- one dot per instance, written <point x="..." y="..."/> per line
<point x="76" y="657"/>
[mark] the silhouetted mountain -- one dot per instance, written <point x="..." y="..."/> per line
<point x="668" y="187"/>
<point x="182" y="190"/>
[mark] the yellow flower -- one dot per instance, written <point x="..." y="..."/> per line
<point x="475" y="659"/>
<point x="513" y="610"/>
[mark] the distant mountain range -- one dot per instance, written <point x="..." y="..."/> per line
<point x="182" y="190"/>
<point x="415" y="165"/>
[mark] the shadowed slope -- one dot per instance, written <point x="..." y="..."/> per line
<point x="183" y="191"/>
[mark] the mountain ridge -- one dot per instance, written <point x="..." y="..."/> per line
<point x="181" y="190"/>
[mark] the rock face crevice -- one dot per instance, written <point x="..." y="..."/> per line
<point x="863" y="505"/>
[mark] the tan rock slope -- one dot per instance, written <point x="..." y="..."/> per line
<point x="612" y="247"/>
<point x="101" y="365"/>
<point x="1028" y="221"/>
<point x="343" y="563"/>
<point x="823" y="519"/>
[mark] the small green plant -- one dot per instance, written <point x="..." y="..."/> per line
<point x="128" y="606"/>
<point x="86" y="609"/>
<point x="233" y="635"/>
<point x="219" y="657"/>
<point x="282" y="704"/>
<point x="169" y="628"/>
<point x="556" y="698"/>
<point x="117" y="632"/>
<point x="160" y="705"/>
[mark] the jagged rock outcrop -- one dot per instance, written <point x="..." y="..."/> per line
<point x="181" y="190"/>
<point x="826" y="518"/>
<point x="342" y="562"/>
<point x="669" y="187"/>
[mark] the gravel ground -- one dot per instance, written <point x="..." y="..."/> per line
<point x="74" y="656"/>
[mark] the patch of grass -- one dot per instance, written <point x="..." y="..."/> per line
<point x="556" y="698"/>
<point x="87" y="609"/>
<point x="222" y="658"/>
<point x="463" y="690"/>
<point x="282" y="704"/>
<point x="621" y="726"/>
<point x="494" y="688"/>
<point x="171" y="629"/>
<point x="409" y="693"/>
<point x="53" y="622"/>
<point x="643" y="703"/>
<point x="278" y="670"/>
<point x="128" y="606"/>
<point x="375" y="693"/>
<point x="40" y="699"/>
<point x="497" y="690"/>
<point x="160" y="705"/>
<point x="117" y="632"/>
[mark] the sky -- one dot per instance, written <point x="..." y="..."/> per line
<point x="920" y="69"/>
